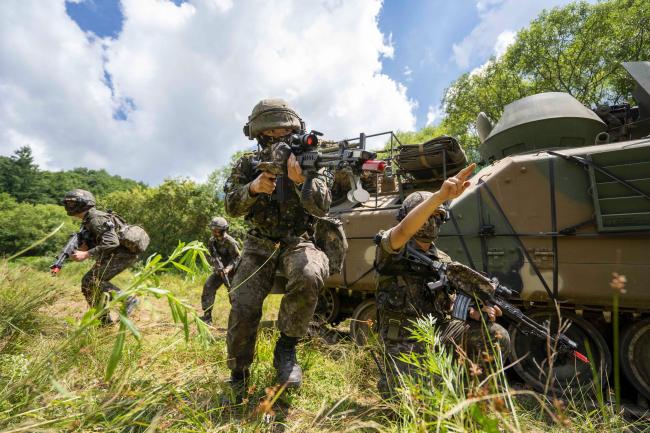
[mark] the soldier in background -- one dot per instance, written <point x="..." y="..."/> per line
<point x="402" y="294"/>
<point x="103" y="245"/>
<point x="224" y="255"/>
<point x="279" y="239"/>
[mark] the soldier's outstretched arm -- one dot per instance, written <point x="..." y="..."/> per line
<point x="238" y="198"/>
<point x="415" y="219"/>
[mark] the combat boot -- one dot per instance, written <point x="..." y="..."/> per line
<point x="284" y="361"/>
<point x="131" y="303"/>
<point x="238" y="386"/>
<point x="105" y="319"/>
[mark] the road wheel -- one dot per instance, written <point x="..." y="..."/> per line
<point x="328" y="307"/>
<point x="635" y="356"/>
<point x="530" y="354"/>
<point x="364" y="320"/>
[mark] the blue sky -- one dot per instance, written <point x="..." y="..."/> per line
<point x="422" y="33"/>
<point x="151" y="89"/>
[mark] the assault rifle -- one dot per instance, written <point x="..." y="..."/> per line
<point x="470" y="285"/>
<point x="304" y="147"/>
<point x="220" y="269"/>
<point x="74" y="243"/>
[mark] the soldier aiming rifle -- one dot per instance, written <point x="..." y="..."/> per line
<point x="280" y="238"/>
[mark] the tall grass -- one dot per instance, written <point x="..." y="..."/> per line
<point x="170" y="378"/>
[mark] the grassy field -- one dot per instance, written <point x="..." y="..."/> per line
<point x="53" y="375"/>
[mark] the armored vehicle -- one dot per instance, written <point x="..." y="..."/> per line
<point x="560" y="214"/>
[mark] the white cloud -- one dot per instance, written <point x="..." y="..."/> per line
<point x="499" y="20"/>
<point x="434" y="114"/>
<point x="504" y="40"/>
<point x="187" y="77"/>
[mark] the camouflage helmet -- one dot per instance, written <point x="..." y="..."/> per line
<point x="77" y="201"/>
<point x="218" y="223"/>
<point x="271" y="114"/>
<point x="414" y="199"/>
<point x="429" y="231"/>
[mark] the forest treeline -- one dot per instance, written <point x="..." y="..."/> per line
<point x="176" y="210"/>
<point x="577" y="48"/>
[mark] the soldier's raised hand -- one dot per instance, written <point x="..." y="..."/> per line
<point x="456" y="185"/>
<point x="264" y="183"/>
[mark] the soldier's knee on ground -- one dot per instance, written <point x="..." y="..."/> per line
<point x="500" y="335"/>
<point x="481" y="344"/>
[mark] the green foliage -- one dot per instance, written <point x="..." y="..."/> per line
<point x="177" y="210"/>
<point x="423" y="135"/>
<point x="21" y="178"/>
<point x="22" y="224"/>
<point x="52" y="373"/>
<point x="577" y="48"/>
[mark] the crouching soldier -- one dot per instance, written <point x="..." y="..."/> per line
<point x="224" y="255"/>
<point x="402" y="292"/>
<point x="102" y="242"/>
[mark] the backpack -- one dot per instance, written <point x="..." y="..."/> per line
<point x="330" y="238"/>
<point x="133" y="238"/>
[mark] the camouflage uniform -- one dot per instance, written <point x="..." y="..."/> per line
<point x="227" y="250"/>
<point x="402" y="296"/>
<point x="288" y="226"/>
<point x="111" y="258"/>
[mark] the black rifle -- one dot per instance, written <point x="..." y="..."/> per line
<point x="470" y="285"/>
<point x="311" y="159"/>
<point x="220" y="269"/>
<point x="74" y="243"/>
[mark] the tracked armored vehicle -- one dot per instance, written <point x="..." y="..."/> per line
<point x="561" y="215"/>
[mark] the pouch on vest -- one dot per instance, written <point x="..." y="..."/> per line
<point x="330" y="238"/>
<point x="132" y="237"/>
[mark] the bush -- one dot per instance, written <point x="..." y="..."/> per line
<point x="177" y="210"/>
<point x="22" y="224"/>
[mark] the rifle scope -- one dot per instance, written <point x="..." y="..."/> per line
<point x="305" y="140"/>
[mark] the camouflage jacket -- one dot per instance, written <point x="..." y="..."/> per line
<point x="401" y="285"/>
<point x="226" y="249"/>
<point x="103" y="238"/>
<point x="267" y="217"/>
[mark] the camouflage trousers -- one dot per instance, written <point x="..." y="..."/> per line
<point x="469" y="338"/>
<point x="305" y="268"/>
<point x="210" y="288"/>
<point x="96" y="281"/>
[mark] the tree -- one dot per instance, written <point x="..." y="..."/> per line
<point x="177" y="210"/>
<point x="19" y="176"/>
<point x="576" y="49"/>
<point x="22" y="224"/>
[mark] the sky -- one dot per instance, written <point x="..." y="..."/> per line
<point x="152" y="89"/>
